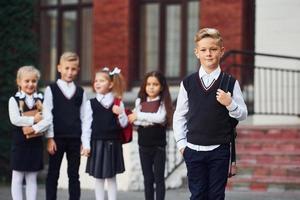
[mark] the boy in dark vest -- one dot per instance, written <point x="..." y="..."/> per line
<point x="201" y="122"/>
<point x="63" y="107"/>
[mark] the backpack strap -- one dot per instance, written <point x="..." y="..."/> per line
<point x="227" y="85"/>
<point x="117" y="101"/>
<point x="227" y="82"/>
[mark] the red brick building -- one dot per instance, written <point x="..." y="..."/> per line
<point x="138" y="35"/>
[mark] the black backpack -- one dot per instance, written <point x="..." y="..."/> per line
<point x="227" y="85"/>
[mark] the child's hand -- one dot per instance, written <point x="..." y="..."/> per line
<point x="38" y="117"/>
<point x="27" y="130"/>
<point x="223" y="98"/>
<point x="85" y="152"/>
<point x="51" y="146"/>
<point x="182" y="150"/>
<point x="132" y="117"/>
<point x="117" y="110"/>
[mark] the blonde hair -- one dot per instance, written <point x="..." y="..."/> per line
<point x="117" y="79"/>
<point x="20" y="72"/>
<point x="209" y="33"/>
<point x="70" y="57"/>
<point x="27" y="69"/>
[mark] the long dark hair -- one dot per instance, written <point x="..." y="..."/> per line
<point x="164" y="94"/>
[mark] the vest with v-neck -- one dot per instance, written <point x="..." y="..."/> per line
<point x="66" y="112"/>
<point x="105" y="125"/>
<point x="207" y="119"/>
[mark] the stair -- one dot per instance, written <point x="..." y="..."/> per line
<point x="268" y="159"/>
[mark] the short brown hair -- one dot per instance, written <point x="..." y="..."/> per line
<point x="209" y="33"/>
<point x="69" y="56"/>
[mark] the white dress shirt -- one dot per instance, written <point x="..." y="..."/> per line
<point x="18" y="120"/>
<point x="146" y="118"/>
<point x="106" y="100"/>
<point x="68" y="89"/>
<point x="237" y="109"/>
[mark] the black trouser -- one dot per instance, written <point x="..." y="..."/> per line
<point x="72" y="148"/>
<point x="207" y="172"/>
<point x="153" y="166"/>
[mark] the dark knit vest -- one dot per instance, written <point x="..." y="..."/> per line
<point x="151" y="135"/>
<point x="66" y="113"/>
<point x="105" y="125"/>
<point x="208" y="121"/>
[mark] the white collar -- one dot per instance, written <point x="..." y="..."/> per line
<point x="105" y="99"/>
<point x="65" y="84"/>
<point x="155" y="99"/>
<point x="214" y="74"/>
<point x="28" y="99"/>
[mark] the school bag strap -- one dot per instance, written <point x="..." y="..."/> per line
<point x="126" y="133"/>
<point x="227" y="84"/>
<point x="117" y="101"/>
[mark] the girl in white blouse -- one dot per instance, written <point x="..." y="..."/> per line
<point x="101" y="136"/>
<point x="152" y="115"/>
<point x="27" y="149"/>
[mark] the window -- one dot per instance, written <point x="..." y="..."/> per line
<point x="65" y="25"/>
<point x="166" y="37"/>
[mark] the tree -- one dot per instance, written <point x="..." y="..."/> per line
<point x="18" y="47"/>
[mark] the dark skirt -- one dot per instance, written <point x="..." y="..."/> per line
<point x="106" y="159"/>
<point x="27" y="158"/>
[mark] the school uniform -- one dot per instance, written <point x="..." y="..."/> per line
<point x="26" y="154"/>
<point x="102" y="135"/>
<point x="202" y="126"/>
<point x="63" y="106"/>
<point x="152" y="142"/>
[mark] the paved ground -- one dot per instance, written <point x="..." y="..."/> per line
<point x="179" y="194"/>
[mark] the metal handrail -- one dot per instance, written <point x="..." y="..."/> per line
<point x="252" y="53"/>
<point x="242" y="63"/>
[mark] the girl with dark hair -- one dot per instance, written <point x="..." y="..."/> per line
<point x="152" y="115"/>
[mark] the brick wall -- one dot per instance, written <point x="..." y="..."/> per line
<point x="111" y="41"/>
<point x="115" y="23"/>
<point x="229" y="16"/>
<point x="235" y="20"/>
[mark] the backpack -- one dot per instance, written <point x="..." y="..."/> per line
<point x="227" y="85"/>
<point x="126" y="134"/>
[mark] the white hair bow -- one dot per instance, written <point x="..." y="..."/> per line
<point x="105" y="69"/>
<point x="38" y="96"/>
<point x="20" y="95"/>
<point x="116" y="70"/>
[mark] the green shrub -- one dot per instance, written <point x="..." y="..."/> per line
<point x="18" y="47"/>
